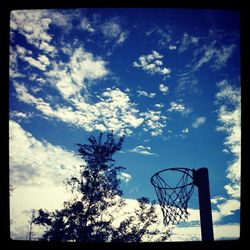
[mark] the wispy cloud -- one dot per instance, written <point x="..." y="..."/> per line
<point x="199" y="122"/>
<point x="86" y="25"/>
<point x="152" y="64"/>
<point x="187" y="41"/>
<point x="187" y="82"/>
<point x="217" y="57"/>
<point x="112" y="30"/>
<point x="142" y="150"/>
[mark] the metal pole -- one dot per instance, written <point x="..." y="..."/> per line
<point x="201" y="180"/>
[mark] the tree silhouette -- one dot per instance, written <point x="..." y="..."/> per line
<point x="90" y="216"/>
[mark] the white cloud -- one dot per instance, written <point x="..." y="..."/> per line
<point x="193" y="233"/>
<point x="176" y="107"/>
<point x="37" y="170"/>
<point x="26" y="55"/>
<point x="22" y="51"/>
<point x="34" y="26"/>
<point x="172" y="47"/>
<point x="229" y="117"/>
<point x="44" y="59"/>
<point x="179" y="107"/>
<point x="114" y="112"/>
<point x="33" y="162"/>
<point x="146" y="94"/>
<point x="229" y="207"/>
<point x="185" y="131"/>
<point x="154" y="122"/>
<point x="20" y="115"/>
<point x="71" y="77"/>
<point x="199" y="121"/>
<point x="125" y="177"/>
<point x="152" y="64"/>
<point x="217" y="199"/>
<point x="159" y="105"/>
<point x="142" y="150"/>
<point x="163" y="88"/>
<point x="122" y="37"/>
<point x="13" y="64"/>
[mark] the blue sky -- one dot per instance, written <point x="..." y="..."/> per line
<point x="169" y="79"/>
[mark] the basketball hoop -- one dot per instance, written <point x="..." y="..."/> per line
<point x="174" y="199"/>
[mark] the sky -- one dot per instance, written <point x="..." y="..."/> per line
<point x="167" y="79"/>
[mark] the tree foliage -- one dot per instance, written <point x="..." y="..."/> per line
<point x="90" y="216"/>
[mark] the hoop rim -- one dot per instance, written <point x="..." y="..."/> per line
<point x="183" y="170"/>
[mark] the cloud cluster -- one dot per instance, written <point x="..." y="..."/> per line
<point x="154" y="122"/>
<point x="72" y="79"/>
<point x="152" y="64"/>
<point x="34" y="26"/>
<point x="114" y="112"/>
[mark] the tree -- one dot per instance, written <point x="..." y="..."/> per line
<point x="90" y="216"/>
<point x="30" y="233"/>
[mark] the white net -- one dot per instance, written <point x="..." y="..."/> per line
<point x="174" y="200"/>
